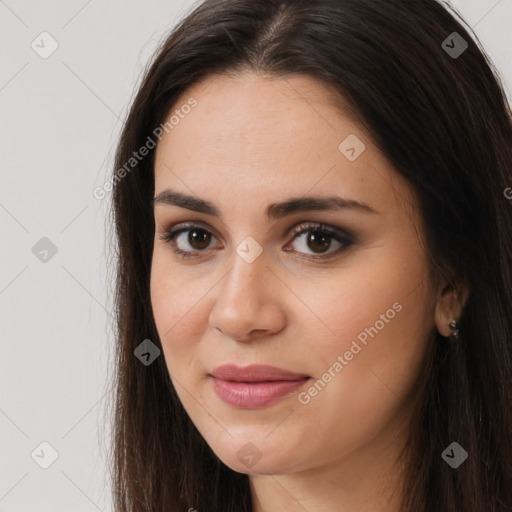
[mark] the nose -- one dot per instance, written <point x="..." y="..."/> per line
<point x="248" y="304"/>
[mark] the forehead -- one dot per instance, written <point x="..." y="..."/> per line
<point x="280" y="136"/>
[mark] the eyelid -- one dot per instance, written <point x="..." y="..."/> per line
<point x="176" y="229"/>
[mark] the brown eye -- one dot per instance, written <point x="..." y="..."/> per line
<point x="189" y="241"/>
<point x="198" y="238"/>
<point x="319" y="240"/>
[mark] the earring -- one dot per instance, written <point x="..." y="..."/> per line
<point x="454" y="326"/>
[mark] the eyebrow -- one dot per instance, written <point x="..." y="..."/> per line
<point x="274" y="210"/>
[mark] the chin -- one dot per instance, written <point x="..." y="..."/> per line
<point x="255" y="459"/>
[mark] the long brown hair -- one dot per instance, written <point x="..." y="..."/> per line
<point x="438" y="111"/>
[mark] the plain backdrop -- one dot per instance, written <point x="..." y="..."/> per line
<point x="60" y="118"/>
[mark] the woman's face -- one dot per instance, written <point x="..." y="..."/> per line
<point x="348" y="311"/>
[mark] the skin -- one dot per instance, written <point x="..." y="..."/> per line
<point x="254" y="140"/>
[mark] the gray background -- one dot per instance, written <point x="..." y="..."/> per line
<point x="60" y="118"/>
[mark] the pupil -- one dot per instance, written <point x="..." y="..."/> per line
<point x="317" y="238"/>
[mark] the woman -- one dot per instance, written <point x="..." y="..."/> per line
<point x="314" y="291"/>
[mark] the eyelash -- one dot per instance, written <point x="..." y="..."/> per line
<point x="335" y="233"/>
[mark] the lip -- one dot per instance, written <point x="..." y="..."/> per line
<point x="254" y="373"/>
<point x="254" y="386"/>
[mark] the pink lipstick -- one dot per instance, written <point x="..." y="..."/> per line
<point x="254" y="386"/>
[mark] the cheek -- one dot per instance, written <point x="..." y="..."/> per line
<point x="375" y="324"/>
<point x="370" y="390"/>
<point x="381" y="336"/>
<point x="378" y="297"/>
<point x="176" y="307"/>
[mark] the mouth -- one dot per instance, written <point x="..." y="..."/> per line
<point x="255" y="386"/>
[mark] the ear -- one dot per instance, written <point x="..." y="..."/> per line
<point x="449" y="306"/>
